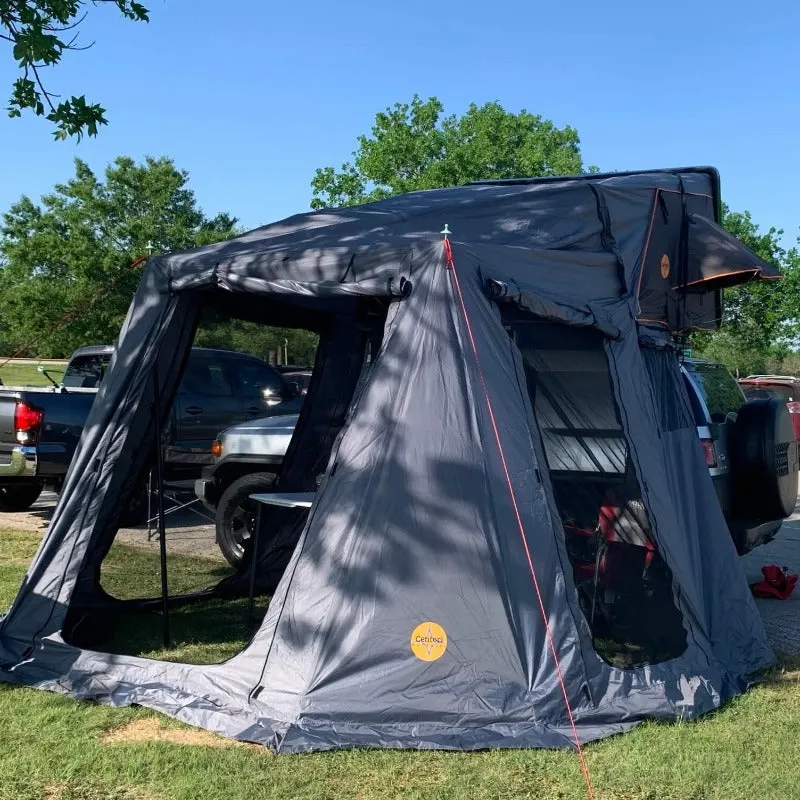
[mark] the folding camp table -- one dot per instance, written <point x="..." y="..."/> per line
<point x="285" y="500"/>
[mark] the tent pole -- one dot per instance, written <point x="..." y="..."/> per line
<point x="253" y="564"/>
<point x="150" y="502"/>
<point x="162" y="538"/>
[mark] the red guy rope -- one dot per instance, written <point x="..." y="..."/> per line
<point x="450" y="263"/>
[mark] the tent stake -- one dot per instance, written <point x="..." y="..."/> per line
<point x="162" y="537"/>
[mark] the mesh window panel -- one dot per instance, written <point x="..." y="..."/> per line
<point x="624" y="586"/>
<point x="666" y="382"/>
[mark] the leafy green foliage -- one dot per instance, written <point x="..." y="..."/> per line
<point x="413" y="147"/>
<point x="761" y="319"/>
<point x="262" y="341"/>
<point x="69" y="257"/>
<point x="66" y="276"/>
<point x="40" y="32"/>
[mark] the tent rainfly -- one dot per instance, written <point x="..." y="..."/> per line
<point x="514" y="539"/>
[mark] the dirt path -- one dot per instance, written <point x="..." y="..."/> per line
<point x="190" y="531"/>
<point x="781" y="617"/>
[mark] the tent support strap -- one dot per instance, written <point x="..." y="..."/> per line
<point x="162" y="537"/>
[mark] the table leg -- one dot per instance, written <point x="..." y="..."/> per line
<point x="254" y="563"/>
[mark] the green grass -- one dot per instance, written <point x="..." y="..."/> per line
<point x="28" y="375"/>
<point x="54" y="748"/>
<point x="205" y="632"/>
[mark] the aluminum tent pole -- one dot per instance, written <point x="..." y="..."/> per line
<point x="254" y="564"/>
<point x="162" y="538"/>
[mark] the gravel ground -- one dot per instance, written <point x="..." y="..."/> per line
<point x="191" y="532"/>
<point x="781" y="617"/>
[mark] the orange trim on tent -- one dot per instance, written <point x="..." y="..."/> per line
<point x="754" y="270"/>
<point x="644" y="252"/>
<point x="691" y="194"/>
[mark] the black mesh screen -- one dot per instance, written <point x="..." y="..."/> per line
<point x="625" y="587"/>
<point x="666" y="383"/>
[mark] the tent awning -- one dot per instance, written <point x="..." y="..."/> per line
<point x="718" y="260"/>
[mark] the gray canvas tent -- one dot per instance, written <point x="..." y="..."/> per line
<point x="513" y="509"/>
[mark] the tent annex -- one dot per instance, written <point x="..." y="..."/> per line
<point x="511" y="506"/>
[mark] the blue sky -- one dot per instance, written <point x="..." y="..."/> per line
<point x="251" y="96"/>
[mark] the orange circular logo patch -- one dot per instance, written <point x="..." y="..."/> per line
<point x="665" y="266"/>
<point x="428" y="641"/>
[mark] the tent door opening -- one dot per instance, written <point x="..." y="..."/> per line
<point x="624" y="586"/>
<point x="208" y="599"/>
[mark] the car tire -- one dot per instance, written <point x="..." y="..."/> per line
<point x="236" y="514"/>
<point x="19" y="498"/>
<point x="764" y="461"/>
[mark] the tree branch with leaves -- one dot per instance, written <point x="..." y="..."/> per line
<point x="761" y="320"/>
<point x="65" y="251"/>
<point x="413" y="146"/>
<point x="40" y="32"/>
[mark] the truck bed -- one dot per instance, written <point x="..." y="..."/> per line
<point x="65" y="414"/>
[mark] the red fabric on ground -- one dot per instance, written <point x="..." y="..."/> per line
<point x="777" y="583"/>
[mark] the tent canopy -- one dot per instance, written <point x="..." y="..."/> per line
<point x="651" y="238"/>
<point x="504" y="465"/>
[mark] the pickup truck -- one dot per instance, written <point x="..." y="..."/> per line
<point x="247" y="459"/>
<point x="40" y="427"/>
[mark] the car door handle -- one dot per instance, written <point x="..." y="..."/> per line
<point x="194" y="410"/>
<point x="254" y="409"/>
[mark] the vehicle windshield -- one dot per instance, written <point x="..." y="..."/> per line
<point x="753" y="392"/>
<point x="86" y="372"/>
<point x="720" y="391"/>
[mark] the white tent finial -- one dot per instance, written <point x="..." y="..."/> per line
<point x="446" y="231"/>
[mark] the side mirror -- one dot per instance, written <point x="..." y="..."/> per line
<point x="270" y="396"/>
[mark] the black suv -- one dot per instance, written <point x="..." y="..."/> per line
<point x="749" y="452"/>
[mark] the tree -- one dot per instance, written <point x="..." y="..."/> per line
<point x="74" y="250"/>
<point x="413" y="147"/>
<point x="258" y="340"/>
<point x="65" y="262"/>
<point x="760" y="319"/>
<point x="40" y="32"/>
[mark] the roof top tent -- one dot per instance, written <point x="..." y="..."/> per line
<point x="513" y="527"/>
<point x="687" y="258"/>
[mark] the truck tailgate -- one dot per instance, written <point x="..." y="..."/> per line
<point x="8" y="403"/>
<point x="65" y="414"/>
